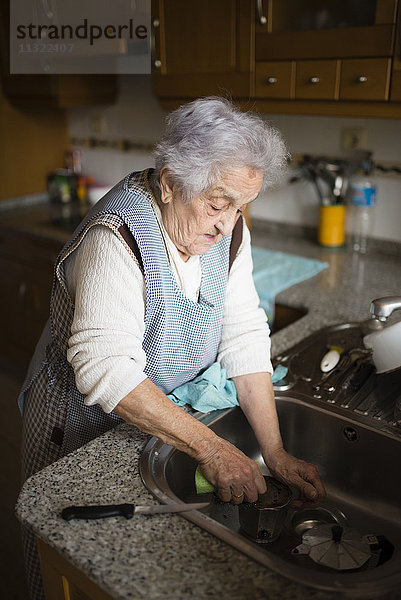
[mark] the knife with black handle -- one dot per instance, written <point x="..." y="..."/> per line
<point x="125" y="510"/>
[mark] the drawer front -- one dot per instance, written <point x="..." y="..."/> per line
<point x="365" y="79"/>
<point x="396" y="87"/>
<point x="317" y="79"/>
<point x="274" y="79"/>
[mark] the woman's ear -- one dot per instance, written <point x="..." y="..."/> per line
<point x="166" y="186"/>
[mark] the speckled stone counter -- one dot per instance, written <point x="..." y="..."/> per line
<point x="165" y="556"/>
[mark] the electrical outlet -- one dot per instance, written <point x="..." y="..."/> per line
<point x="98" y="125"/>
<point x="353" y="138"/>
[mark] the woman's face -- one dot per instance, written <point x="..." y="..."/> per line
<point x="196" y="226"/>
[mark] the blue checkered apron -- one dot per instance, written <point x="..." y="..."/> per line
<point x="181" y="337"/>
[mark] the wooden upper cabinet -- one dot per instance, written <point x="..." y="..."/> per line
<point x="49" y="91"/>
<point x="343" y="55"/>
<point x="203" y="48"/>
<point x="316" y="29"/>
<point x="305" y="57"/>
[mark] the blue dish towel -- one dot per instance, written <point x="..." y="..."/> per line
<point x="274" y="272"/>
<point x="212" y="390"/>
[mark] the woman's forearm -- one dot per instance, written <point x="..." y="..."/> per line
<point x="256" y="397"/>
<point x="152" y="412"/>
<point x="235" y="476"/>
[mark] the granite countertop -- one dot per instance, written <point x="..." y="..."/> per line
<point x="36" y="217"/>
<point x="165" y="556"/>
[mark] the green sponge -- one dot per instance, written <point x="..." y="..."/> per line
<point x="203" y="486"/>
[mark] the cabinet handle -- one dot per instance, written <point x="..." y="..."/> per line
<point x="158" y="64"/>
<point x="47" y="9"/>
<point x="314" y="80"/>
<point x="156" y="23"/>
<point x="22" y="290"/>
<point x="361" y="79"/>
<point x="271" y="80"/>
<point x="259" y="11"/>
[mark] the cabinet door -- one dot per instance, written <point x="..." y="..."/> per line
<point x="24" y="302"/>
<point x="50" y="91"/>
<point x="203" y="48"/>
<point x="26" y="271"/>
<point x="317" y="79"/>
<point x="365" y="79"/>
<point x="274" y="79"/>
<point x="325" y="29"/>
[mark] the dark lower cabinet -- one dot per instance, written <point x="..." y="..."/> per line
<point x="26" y="271"/>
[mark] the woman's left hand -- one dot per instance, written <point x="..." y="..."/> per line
<point x="297" y="474"/>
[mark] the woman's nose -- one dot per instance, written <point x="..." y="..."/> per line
<point x="226" y="222"/>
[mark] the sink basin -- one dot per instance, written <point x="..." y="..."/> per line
<point x="285" y="315"/>
<point x="358" y="473"/>
<point x="356" y="462"/>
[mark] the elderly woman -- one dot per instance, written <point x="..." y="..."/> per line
<point x="155" y="286"/>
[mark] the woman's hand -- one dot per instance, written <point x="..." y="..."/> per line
<point x="236" y="477"/>
<point x="297" y="474"/>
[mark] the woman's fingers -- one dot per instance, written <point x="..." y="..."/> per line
<point x="310" y="483"/>
<point x="236" y="477"/>
<point x="301" y="475"/>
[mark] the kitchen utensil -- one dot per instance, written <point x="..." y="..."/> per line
<point x="332" y="380"/>
<point x="263" y="520"/>
<point x="126" y="510"/>
<point x="329" y="361"/>
<point x="386" y="347"/>
<point x="334" y="546"/>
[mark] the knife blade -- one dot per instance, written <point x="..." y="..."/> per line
<point x="126" y="510"/>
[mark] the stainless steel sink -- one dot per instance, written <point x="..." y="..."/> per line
<point x="358" y="462"/>
<point x="285" y="315"/>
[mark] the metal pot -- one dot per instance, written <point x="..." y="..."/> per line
<point x="263" y="520"/>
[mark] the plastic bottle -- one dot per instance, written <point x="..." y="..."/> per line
<point x="363" y="198"/>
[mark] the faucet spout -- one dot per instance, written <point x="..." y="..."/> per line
<point x="381" y="308"/>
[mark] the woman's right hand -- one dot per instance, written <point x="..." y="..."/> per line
<point x="236" y="477"/>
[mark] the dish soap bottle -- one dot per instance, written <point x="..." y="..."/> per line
<point x="363" y="198"/>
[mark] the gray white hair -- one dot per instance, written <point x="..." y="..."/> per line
<point x="206" y="137"/>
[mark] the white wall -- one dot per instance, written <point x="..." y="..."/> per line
<point x="298" y="203"/>
<point x="137" y="116"/>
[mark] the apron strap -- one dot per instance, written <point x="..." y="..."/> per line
<point x="236" y="240"/>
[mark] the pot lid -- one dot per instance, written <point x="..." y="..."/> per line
<point x="334" y="546"/>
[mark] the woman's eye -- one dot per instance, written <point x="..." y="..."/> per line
<point x="215" y="208"/>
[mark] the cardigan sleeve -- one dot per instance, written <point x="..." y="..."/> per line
<point x="245" y="339"/>
<point x="108" y="290"/>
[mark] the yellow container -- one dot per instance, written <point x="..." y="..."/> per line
<point x="332" y="226"/>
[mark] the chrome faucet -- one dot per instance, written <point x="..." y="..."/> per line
<point x="381" y="308"/>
